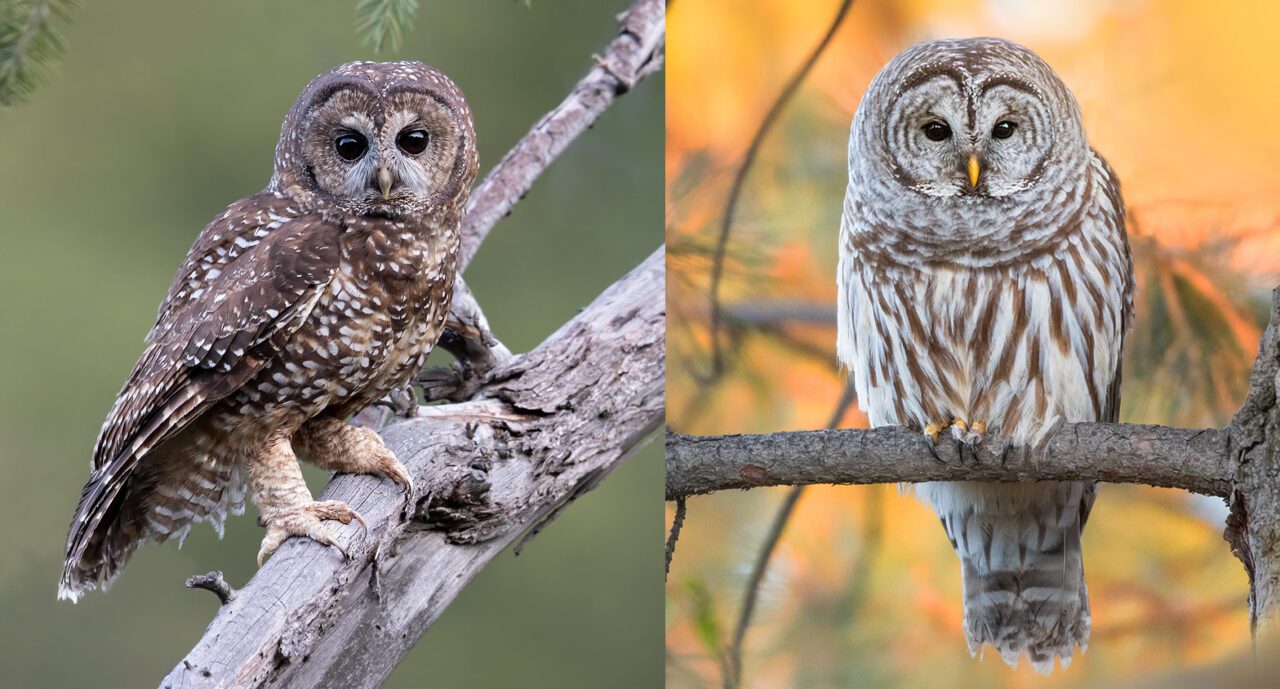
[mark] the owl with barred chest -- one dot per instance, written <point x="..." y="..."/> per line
<point x="295" y="308"/>
<point x="985" y="288"/>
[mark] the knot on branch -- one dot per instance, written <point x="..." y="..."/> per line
<point x="462" y="507"/>
<point x="214" y="582"/>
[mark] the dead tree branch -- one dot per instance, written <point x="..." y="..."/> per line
<point x="525" y="436"/>
<point x="1240" y="462"/>
<point x="1195" y="460"/>
<point x="636" y="52"/>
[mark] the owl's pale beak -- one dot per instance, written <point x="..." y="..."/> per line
<point x="385" y="181"/>
<point x="974" y="170"/>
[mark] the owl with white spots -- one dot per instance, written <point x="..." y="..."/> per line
<point x="295" y="308"/>
<point x="985" y="287"/>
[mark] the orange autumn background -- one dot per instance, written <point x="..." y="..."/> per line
<point x="863" y="589"/>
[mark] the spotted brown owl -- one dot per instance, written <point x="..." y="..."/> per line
<point x="985" y="286"/>
<point x="295" y="308"/>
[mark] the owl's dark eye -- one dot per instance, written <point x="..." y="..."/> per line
<point x="1003" y="129"/>
<point x="937" y="131"/>
<point x="412" y="141"/>
<point x="350" y="145"/>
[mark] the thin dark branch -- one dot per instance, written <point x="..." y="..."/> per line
<point x="751" y="593"/>
<point x="1194" y="460"/>
<point x="739" y="179"/>
<point x="677" y="523"/>
<point x="782" y="313"/>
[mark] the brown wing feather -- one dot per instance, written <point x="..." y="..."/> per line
<point x="203" y="349"/>
<point x="235" y="231"/>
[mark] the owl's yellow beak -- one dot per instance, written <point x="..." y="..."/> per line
<point x="974" y="171"/>
<point x="385" y="181"/>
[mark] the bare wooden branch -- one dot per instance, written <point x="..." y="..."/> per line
<point x="541" y="430"/>
<point x="214" y="582"/>
<point x="1194" y="460"/>
<point x="636" y="52"/>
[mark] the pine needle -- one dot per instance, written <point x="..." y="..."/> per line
<point x="384" y="22"/>
<point x="29" y="44"/>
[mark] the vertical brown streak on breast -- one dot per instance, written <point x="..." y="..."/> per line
<point x="1095" y="293"/>
<point x="1068" y="282"/>
<point x="981" y="348"/>
<point x="1086" y="368"/>
<point x="1004" y="365"/>
<point x="1057" y="320"/>
<point x="1009" y="352"/>
<point x="939" y="355"/>
<point x="899" y="399"/>
<point x="913" y="366"/>
<point x="1042" y="399"/>
<point x="1034" y="390"/>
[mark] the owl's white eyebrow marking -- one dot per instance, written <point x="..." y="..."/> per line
<point x="357" y="120"/>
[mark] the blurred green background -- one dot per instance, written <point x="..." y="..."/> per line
<point x="161" y="114"/>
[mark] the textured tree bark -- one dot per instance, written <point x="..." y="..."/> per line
<point x="1240" y="462"/>
<point x="525" y="436"/>
<point x="1195" y="460"/>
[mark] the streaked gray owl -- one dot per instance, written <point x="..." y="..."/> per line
<point x="985" y="286"/>
<point x="295" y="308"/>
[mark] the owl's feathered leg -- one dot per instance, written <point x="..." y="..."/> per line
<point x="285" y="503"/>
<point x="333" y="444"/>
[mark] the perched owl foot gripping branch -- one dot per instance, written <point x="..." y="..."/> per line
<point x="985" y="286"/>
<point x="296" y="308"/>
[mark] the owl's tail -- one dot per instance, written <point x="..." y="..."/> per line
<point x="1021" y="565"/>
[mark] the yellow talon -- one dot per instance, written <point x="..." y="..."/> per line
<point x="960" y="423"/>
<point x="978" y="427"/>
<point x="932" y="430"/>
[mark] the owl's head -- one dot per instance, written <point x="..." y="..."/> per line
<point x="369" y="138"/>
<point x="978" y="118"/>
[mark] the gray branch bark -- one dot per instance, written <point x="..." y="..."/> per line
<point x="1194" y="460"/>
<point x="1240" y="462"/>
<point x="526" y="435"/>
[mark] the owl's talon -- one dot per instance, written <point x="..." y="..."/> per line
<point x="932" y="430"/>
<point x="929" y="445"/>
<point x="308" y="521"/>
<point x="1005" y="452"/>
<point x="397" y="473"/>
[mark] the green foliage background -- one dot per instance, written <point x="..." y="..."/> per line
<point x="159" y="115"/>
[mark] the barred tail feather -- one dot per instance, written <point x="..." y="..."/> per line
<point x="1021" y="566"/>
<point x="187" y="479"/>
